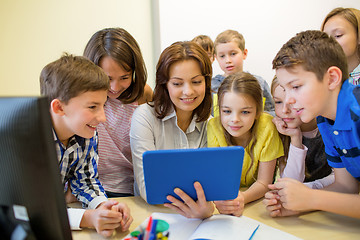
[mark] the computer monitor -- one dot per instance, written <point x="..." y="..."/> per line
<point x="32" y="199"/>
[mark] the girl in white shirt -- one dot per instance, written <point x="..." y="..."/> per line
<point x="177" y="118"/>
<point x="304" y="151"/>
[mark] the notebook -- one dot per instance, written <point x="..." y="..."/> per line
<point x="216" y="227"/>
<point x="217" y="169"/>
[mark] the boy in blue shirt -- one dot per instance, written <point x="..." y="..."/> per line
<point x="312" y="69"/>
<point x="77" y="91"/>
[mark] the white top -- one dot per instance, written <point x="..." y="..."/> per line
<point x="148" y="132"/>
<point x="295" y="166"/>
<point x="75" y="215"/>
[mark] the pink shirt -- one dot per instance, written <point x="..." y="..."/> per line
<point x="115" y="164"/>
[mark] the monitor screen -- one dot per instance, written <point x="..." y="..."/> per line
<point x="32" y="199"/>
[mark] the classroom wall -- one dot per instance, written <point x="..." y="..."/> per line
<point x="34" y="33"/>
<point x="266" y="25"/>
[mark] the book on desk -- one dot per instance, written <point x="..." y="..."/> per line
<point x="217" y="227"/>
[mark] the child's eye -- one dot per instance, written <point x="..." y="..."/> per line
<point x="338" y="35"/>
<point x="245" y="112"/>
<point x="92" y="107"/>
<point x="124" y="78"/>
<point x="295" y="87"/>
<point x="222" y="56"/>
<point x="278" y="102"/>
<point x="233" y="54"/>
<point x="226" y="111"/>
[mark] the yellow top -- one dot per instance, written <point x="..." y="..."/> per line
<point x="268" y="146"/>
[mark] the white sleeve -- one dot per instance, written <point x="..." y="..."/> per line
<point x="323" y="182"/>
<point x="75" y="215"/>
<point x="141" y="140"/>
<point x="295" y="166"/>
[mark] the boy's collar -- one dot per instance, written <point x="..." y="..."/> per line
<point x="342" y="120"/>
<point x="78" y="139"/>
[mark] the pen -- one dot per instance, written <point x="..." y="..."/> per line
<point x="152" y="235"/>
<point x="148" y="229"/>
<point x="252" y="235"/>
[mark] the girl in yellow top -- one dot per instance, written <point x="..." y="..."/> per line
<point x="242" y="122"/>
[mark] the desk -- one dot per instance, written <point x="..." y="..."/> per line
<point x="314" y="225"/>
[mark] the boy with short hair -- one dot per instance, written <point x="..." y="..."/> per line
<point x="230" y="53"/>
<point x="312" y="69"/>
<point x="207" y="44"/>
<point x="77" y="91"/>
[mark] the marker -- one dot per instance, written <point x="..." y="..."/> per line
<point x="252" y="235"/>
<point x="148" y="229"/>
<point x="152" y="235"/>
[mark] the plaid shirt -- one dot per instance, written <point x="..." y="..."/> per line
<point x="78" y="166"/>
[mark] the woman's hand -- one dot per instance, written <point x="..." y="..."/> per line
<point x="189" y="208"/>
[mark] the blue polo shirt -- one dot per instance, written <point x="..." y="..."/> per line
<point x="342" y="137"/>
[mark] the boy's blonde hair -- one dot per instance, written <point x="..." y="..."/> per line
<point x="70" y="76"/>
<point x="229" y="36"/>
<point x="315" y="51"/>
<point x="205" y="42"/>
<point x="243" y="83"/>
<point x="352" y="15"/>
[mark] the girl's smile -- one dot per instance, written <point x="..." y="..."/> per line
<point x="238" y="114"/>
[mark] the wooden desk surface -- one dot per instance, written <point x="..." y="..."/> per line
<point x="315" y="225"/>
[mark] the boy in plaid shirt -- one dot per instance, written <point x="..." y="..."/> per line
<point x="77" y="91"/>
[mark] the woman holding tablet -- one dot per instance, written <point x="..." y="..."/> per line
<point x="176" y="119"/>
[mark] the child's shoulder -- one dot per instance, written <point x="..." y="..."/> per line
<point x="218" y="77"/>
<point x="265" y="125"/>
<point x="214" y="122"/>
<point x="349" y="97"/>
<point x="265" y="117"/>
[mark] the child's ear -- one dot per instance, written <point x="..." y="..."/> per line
<point x="245" y="52"/>
<point x="57" y="107"/>
<point x="335" y="77"/>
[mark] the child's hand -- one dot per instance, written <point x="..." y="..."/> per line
<point x="189" y="208"/>
<point x="126" y="217"/>
<point x="234" y="207"/>
<point x="273" y="205"/>
<point x="292" y="194"/>
<point x="283" y="128"/>
<point x="103" y="218"/>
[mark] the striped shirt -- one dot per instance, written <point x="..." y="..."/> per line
<point x="342" y="137"/>
<point x="115" y="164"/>
<point x="78" y="166"/>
